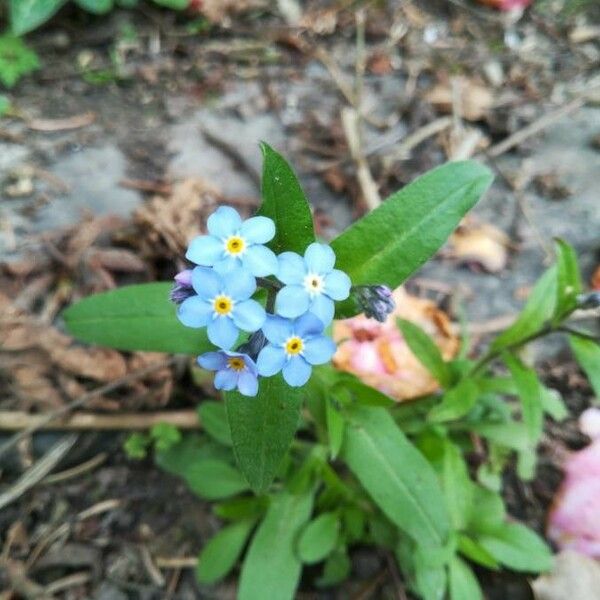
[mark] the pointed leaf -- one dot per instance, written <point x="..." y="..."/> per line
<point x="134" y="317"/>
<point x="395" y="474"/>
<point x="271" y="568"/>
<point x="587" y="353"/>
<point x="389" y="244"/>
<point x="221" y="553"/>
<point x="569" y="280"/>
<point x="463" y="583"/>
<point x="319" y="538"/>
<point x="285" y="203"/>
<point x="262" y="428"/>
<point x="456" y="402"/>
<point x="26" y="15"/>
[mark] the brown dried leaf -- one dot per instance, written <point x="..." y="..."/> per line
<point x="99" y="364"/>
<point x="115" y="259"/>
<point x="74" y="122"/>
<point x="481" y="243"/>
<point x="474" y="99"/>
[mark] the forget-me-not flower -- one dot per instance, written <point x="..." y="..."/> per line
<point x="294" y="347"/>
<point x="234" y="370"/>
<point x="311" y="283"/>
<point x="232" y="243"/>
<point x="222" y="305"/>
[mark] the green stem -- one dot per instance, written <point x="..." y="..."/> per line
<point x="268" y="284"/>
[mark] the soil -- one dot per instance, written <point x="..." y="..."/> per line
<point x="168" y="106"/>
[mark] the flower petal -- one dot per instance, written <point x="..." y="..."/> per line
<point x="206" y="283"/>
<point x="247" y="384"/>
<point x="291" y="301"/>
<point x="213" y="361"/>
<point x="319" y="350"/>
<point x="270" y="360"/>
<point x="296" y="371"/>
<point x="239" y="284"/>
<point x="258" y="230"/>
<point x="194" y="312"/>
<point x="337" y="285"/>
<point x="260" y="261"/>
<point x="319" y="258"/>
<point x="227" y="264"/>
<point x="322" y="307"/>
<point x="292" y="269"/>
<point x="308" y="325"/>
<point x="222" y="332"/>
<point x="277" y="329"/>
<point x="249" y="315"/>
<point x="226" y="380"/>
<point x="205" y="250"/>
<point x="225" y="221"/>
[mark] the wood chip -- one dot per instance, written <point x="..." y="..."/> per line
<point x="66" y="124"/>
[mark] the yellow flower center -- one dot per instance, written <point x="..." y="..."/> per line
<point x="236" y="364"/>
<point x="235" y="245"/>
<point x="222" y="305"/>
<point x="313" y="284"/>
<point x="294" y="345"/>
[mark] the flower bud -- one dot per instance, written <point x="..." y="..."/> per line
<point x="375" y="301"/>
<point x="254" y="345"/>
<point x="182" y="290"/>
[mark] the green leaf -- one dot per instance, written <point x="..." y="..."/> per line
<point x="530" y="393"/>
<point x="174" y="4"/>
<point x="4" y="105"/>
<point x="457" y="485"/>
<point x="569" y="281"/>
<point x="426" y="351"/>
<point x="271" y="568"/>
<point x="246" y="507"/>
<point x="134" y="317"/>
<point x="475" y="552"/>
<point x="389" y="244"/>
<point x="221" y="553"/>
<point x="463" y="583"/>
<point x="487" y="510"/>
<point x="26" y="15"/>
<point x="395" y="474"/>
<point x="554" y="405"/>
<point x="456" y="402"/>
<point x="335" y="427"/>
<point x="336" y="569"/>
<point x="213" y="418"/>
<point x="285" y="203"/>
<point x="214" y="479"/>
<point x="16" y="60"/>
<point x="165" y="435"/>
<point x="318" y="538"/>
<point x="537" y="311"/>
<point x="509" y="434"/>
<point x="97" y="7"/>
<point x="136" y="445"/>
<point x="587" y="354"/>
<point x="262" y="428"/>
<point x="518" y="548"/>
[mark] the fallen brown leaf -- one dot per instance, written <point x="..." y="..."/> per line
<point x="74" y="122"/>
<point x="473" y="99"/>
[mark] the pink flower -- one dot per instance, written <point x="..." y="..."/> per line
<point x="574" y="521"/>
<point x="377" y="353"/>
<point x="507" y="5"/>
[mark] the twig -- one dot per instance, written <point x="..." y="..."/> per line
<point x="84" y="467"/>
<point x="182" y="562"/>
<point x="542" y="123"/>
<point x="104" y="389"/>
<point x="38" y="471"/>
<point x="402" y="151"/>
<point x="16" y="420"/>
<point x="64" y="583"/>
<point x="350" y="123"/>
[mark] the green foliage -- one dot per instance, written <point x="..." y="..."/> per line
<point x="364" y="470"/>
<point x="283" y="200"/>
<point x="4" y="105"/>
<point x="272" y="568"/>
<point x="587" y="354"/>
<point x="319" y="537"/>
<point x="387" y="245"/>
<point x="97" y="7"/>
<point x="26" y="15"/>
<point x="263" y="428"/>
<point x="221" y="553"/>
<point x="134" y="317"/>
<point x="396" y="475"/>
<point x="16" y="60"/>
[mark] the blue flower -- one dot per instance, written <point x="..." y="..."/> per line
<point x="311" y="283"/>
<point x="233" y="243"/>
<point x="223" y="305"/>
<point x="294" y="346"/>
<point x="234" y="370"/>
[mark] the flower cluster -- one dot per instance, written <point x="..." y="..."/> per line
<point x="232" y="262"/>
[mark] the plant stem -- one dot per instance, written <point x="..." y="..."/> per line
<point x="268" y="284"/>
